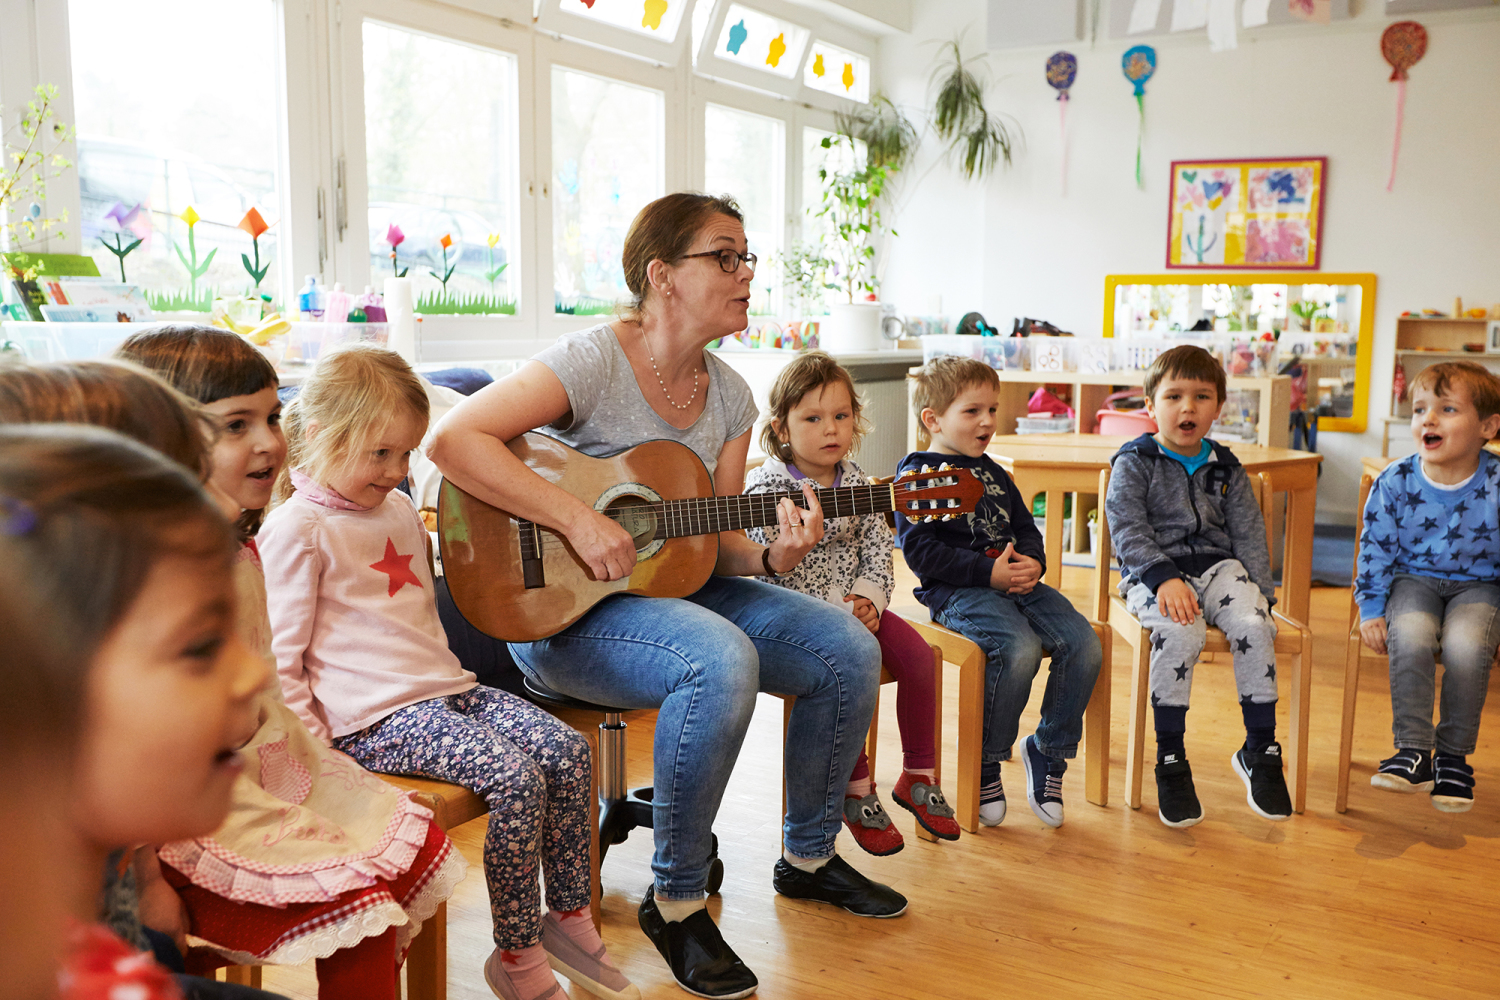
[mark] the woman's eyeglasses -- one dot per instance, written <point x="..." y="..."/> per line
<point x="729" y="260"/>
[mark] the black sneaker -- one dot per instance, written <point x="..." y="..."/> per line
<point x="839" y="884"/>
<point x="1176" y="798"/>
<point x="1265" y="786"/>
<point x="1044" y="778"/>
<point x="1453" y="784"/>
<point x="1407" y="771"/>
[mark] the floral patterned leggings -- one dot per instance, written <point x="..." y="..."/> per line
<point x="536" y="775"/>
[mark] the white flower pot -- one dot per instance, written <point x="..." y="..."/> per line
<point x="852" y="327"/>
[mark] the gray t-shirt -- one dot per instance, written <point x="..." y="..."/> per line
<point x="610" y="413"/>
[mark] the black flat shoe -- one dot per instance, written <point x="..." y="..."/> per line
<point x="700" y="960"/>
<point x="839" y="884"/>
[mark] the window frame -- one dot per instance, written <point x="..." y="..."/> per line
<point x="321" y="132"/>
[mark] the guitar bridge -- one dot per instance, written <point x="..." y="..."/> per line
<point x="531" y="555"/>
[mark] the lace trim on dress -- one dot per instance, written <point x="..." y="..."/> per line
<point x="368" y="916"/>
<point x="208" y="864"/>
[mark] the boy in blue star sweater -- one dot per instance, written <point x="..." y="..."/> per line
<point x="1429" y="575"/>
<point x="980" y="575"/>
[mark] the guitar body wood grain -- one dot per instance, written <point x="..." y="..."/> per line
<point x="482" y="546"/>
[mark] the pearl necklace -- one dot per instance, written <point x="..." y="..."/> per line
<point x="670" y="401"/>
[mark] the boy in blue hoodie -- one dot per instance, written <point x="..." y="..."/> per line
<point x="1192" y="549"/>
<point x="1429" y="565"/>
<point x="980" y="575"/>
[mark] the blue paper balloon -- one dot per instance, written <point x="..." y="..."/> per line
<point x="1062" y="70"/>
<point x="1138" y="64"/>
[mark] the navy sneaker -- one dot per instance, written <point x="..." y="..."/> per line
<point x="1176" y="798"/>
<point x="1407" y="771"/>
<point x="1044" y="777"/>
<point x="1453" y="784"/>
<point x="1265" y="785"/>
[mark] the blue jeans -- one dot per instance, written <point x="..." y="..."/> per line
<point x="1015" y="631"/>
<point x="701" y="660"/>
<point x="1462" y="617"/>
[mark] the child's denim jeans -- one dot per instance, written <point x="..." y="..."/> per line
<point x="1460" y="617"/>
<point x="1015" y="631"/>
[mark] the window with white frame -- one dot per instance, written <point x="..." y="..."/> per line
<point x="442" y="159"/>
<point x="837" y="71"/>
<point x="759" y="41"/>
<point x="175" y="155"/>
<point x="530" y="146"/>
<point x="652" y="18"/>
<point x="744" y="157"/>
<point x="608" y="162"/>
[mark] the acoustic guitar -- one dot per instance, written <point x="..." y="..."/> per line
<point x="521" y="581"/>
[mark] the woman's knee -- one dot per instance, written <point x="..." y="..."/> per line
<point x="725" y="668"/>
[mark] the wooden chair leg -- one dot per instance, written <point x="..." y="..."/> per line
<point x="427" y="959"/>
<point x="970" y="738"/>
<point x="1096" y="727"/>
<point x="1346" y="723"/>
<point x="243" y="975"/>
<point x="1301" y="693"/>
<point x="872" y="738"/>
<point x="1140" y="685"/>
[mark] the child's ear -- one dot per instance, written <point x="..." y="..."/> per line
<point x="1490" y="426"/>
<point x="310" y="431"/>
<point x="779" y="429"/>
<point x="929" y="419"/>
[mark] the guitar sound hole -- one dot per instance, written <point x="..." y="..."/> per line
<point x="636" y="517"/>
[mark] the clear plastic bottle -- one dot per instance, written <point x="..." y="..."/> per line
<point x="373" y="304"/>
<point x="310" y="300"/>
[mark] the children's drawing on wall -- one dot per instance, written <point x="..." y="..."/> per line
<point x="1246" y="213"/>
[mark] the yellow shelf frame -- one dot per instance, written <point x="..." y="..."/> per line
<point x="1356" y="423"/>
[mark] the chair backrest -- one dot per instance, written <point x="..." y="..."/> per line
<point x="1260" y="487"/>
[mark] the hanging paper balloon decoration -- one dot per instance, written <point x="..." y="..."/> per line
<point x="1138" y="63"/>
<point x="1402" y="44"/>
<point x="1062" y="70"/>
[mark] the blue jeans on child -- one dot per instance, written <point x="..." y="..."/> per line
<point x="1463" y="617"/>
<point x="701" y="660"/>
<point x="1015" y="631"/>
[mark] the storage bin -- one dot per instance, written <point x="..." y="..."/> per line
<point x="1044" y="425"/>
<point x="307" y="341"/>
<point x="953" y="345"/>
<point x="1092" y="354"/>
<point x="1050" y="354"/>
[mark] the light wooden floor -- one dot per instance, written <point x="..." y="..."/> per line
<point x="1392" y="899"/>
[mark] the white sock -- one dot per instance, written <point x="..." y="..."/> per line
<point x="808" y="865"/>
<point x="673" y="910"/>
<point x="927" y="775"/>
<point x="859" y="787"/>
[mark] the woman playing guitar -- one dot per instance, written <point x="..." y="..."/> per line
<point x="700" y="659"/>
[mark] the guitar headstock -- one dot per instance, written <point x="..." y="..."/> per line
<point x="939" y="494"/>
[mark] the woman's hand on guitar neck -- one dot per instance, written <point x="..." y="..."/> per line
<point x="604" y="546"/>
<point x="798" y="531"/>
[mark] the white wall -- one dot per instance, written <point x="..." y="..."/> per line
<point x="1016" y="246"/>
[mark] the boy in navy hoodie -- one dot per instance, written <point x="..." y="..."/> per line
<point x="980" y="575"/>
<point x="1192" y="548"/>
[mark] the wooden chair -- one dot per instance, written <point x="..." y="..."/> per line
<point x="427" y="959"/>
<point x="1292" y="640"/>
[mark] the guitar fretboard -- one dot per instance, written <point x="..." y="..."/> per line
<point x="708" y="515"/>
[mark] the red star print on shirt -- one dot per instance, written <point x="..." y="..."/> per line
<point x="397" y="567"/>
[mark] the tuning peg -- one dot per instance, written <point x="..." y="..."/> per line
<point x="944" y="467"/>
<point x="913" y="518"/>
<point x="926" y="468"/>
<point x="947" y="517"/>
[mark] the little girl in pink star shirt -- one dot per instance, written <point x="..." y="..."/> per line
<point x="364" y="661"/>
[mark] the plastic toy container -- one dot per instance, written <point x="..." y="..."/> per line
<point x="1044" y="425"/>
<point x="1050" y="354"/>
<point x="307" y="341"/>
<point x="953" y="345"/>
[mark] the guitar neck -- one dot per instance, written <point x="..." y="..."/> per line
<point x="708" y="515"/>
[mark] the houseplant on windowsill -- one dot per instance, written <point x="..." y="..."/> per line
<point x="851" y="207"/>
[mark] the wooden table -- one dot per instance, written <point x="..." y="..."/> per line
<point x="1058" y="464"/>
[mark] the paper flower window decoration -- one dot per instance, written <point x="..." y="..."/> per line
<point x="253" y="224"/>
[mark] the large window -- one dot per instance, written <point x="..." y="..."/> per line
<point x="607" y="163"/>
<point x="442" y="158"/>
<point x="744" y="155"/>
<point x="163" y="136"/>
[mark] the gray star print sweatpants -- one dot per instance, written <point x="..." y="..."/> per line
<point x="1232" y="603"/>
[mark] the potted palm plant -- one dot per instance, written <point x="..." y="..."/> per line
<point x="850" y="208"/>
